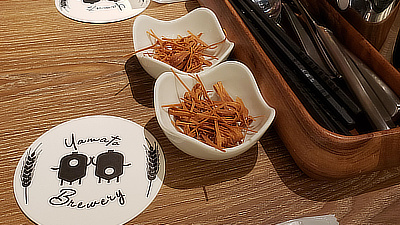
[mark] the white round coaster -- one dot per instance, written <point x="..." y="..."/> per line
<point x="101" y="11"/>
<point x="90" y="170"/>
<point x="168" y="1"/>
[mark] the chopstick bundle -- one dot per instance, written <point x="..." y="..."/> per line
<point x="376" y="98"/>
<point x="328" y="103"/>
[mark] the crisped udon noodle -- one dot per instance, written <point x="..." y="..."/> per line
<point x="221" y="123"/>
<point x="185" y="53"/>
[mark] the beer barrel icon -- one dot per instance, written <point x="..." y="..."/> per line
<point x="109" y="165"/>
<point x="72" y="167"/>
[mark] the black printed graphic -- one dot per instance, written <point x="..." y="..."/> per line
<point x="153" y="162"/>
<point x="74" y="143"/>
<point x="94" y="1"/>
<point x="109" y="165"/>
<point x="66" y="198"/>
<point x="64" y="5"/>
<point x="90" y="1"/>
<point x="72" y="167"/>
<point x="28" y="169"/>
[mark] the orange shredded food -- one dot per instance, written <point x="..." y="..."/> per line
<point x="221" y="123"/>
<point x="185" y="53"/>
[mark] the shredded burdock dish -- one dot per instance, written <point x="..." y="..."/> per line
<point x="221" y="123"/>
<point x="185" y="53"/>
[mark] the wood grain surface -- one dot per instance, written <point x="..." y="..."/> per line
<point x="54" y="69"/>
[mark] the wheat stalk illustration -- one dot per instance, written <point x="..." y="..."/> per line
<point x="153" y="163"/>
<point x="64" y="5"/>
<point x="28" y="169"/>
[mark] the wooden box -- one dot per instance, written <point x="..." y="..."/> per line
<point x="318" y="152"/>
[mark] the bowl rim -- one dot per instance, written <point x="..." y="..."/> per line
<point x="228" y="151"/>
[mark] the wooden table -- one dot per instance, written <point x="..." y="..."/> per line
<point x="54" y="69"/>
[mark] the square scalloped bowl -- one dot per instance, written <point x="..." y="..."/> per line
<point x="200" y="20"/>
<point x="238" y="82"/>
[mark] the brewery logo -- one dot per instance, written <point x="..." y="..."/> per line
<point x="83" y="168"/>
<point x="101" y="11"/>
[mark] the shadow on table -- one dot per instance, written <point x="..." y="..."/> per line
<point x="141" y="83"/>
<point x="322" y="190"/>
<point x="184" y="171"/>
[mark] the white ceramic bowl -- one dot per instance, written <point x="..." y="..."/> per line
<point x="200" y="20"/>
<point x="238" y="81"/>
